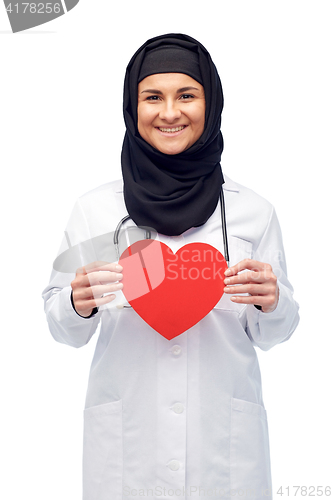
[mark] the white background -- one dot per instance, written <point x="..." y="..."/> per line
<point x="61" y="135"/>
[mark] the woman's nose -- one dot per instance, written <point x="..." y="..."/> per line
<point x="170" y="111"/>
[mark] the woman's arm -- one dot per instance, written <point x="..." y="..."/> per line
<point x="71" y="300"/>
<point x="264" y="278"/>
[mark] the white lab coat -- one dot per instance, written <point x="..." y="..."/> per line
<point x="183" y="418"/>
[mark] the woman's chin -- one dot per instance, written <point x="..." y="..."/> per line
<point x="171" y="149"/>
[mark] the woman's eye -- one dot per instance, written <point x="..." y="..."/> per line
<point x="152" y="98"/>
<point x="186" y="96"/>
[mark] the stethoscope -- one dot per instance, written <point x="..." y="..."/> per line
<point x="147" y="230"/>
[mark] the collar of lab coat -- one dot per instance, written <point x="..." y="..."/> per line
<point x="229" y="185"/>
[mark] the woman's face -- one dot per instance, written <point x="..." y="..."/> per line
<point x="171" y="111"/>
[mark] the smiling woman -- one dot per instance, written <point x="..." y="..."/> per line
<point x="171" y="111"/>
<point x="180" y="169"/>
<point x="174" y="402"/>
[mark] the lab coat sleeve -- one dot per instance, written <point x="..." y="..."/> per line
<point x="65" y="324"/>
<point x="268" y="329"/>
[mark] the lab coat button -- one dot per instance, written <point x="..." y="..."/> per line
<point x="176" y="350"/>
<point x="174" y="465"/>
<point x="178" y="408"/>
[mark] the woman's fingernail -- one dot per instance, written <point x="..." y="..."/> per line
<point x="227" y="281"/>
<point x="118" y="267"/>
<point x="227" y="272"/>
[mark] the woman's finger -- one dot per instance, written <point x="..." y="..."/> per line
<point x="268" y="301"/>
<point x="259" y="300"/>
<point x="247" y="264"/>
<point x="101" y="278"/>
<point x="84" y="307"/>
<point x="96" y="291"/>
<point x="247" y="277"/>
<point x="251" y="288"/>
<point x="100" y="266"/>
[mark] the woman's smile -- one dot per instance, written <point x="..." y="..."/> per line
<point x="171" y="130"/>
<point x="171" y="111"/>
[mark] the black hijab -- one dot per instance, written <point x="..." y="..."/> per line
<point x="172" y="193"/>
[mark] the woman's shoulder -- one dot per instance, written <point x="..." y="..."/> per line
<point x="102" y="207"/>
<point x="248" y="213"/>
<point x="247" y="197"/>
<point x="107" y="189"/>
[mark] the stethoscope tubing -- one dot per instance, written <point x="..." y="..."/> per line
<point x="148" y="231"/>
<point x="224" y="227"/>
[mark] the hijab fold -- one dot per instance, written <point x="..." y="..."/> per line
<point x="172" y="193"/>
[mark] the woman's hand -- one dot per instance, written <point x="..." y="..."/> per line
<point x="259" y="281"/>
<point x="92" y="282"/>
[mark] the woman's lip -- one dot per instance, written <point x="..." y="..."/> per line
<point x="171" y="134"/>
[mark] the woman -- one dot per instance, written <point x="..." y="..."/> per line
<point x="182" y="417"/>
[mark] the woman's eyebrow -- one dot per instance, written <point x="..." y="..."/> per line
<point x="185" y="89"/>
<point x="179" y="91"/>
<point x="152" y="91"/>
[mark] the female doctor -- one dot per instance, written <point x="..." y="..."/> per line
<point x="183" y="417"/>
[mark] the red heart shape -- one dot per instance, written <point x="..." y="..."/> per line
<point x="172" y="292"/>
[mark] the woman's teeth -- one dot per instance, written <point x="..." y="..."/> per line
<point x="176" y="129"/>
